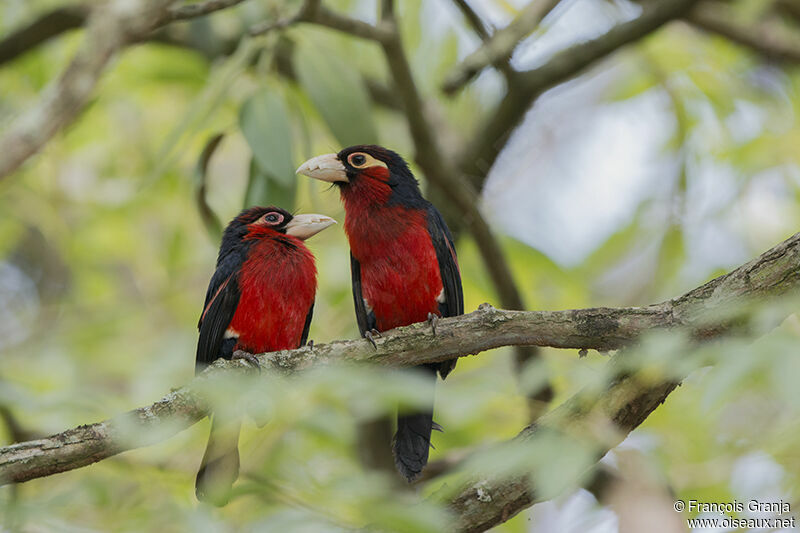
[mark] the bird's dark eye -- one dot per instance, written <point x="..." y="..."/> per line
<point x="273" y="218"/>
<point x="358" y="160"/>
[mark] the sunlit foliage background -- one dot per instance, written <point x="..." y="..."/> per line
<point x="670" y="163"/>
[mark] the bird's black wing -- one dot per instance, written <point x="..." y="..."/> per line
<point x="217" y="315"/>
<point x="449" y="271"/>
<point x="304" y="337"/>
<point x="364" y="316"/>
<point x="226" y="265"/>
<point x="448" y="264"/>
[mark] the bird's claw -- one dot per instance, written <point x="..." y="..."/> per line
<point x="310" y="344"/>
<point x="433" y="320"/>
<point x="249" y="358"/>
<point x="370" y="336"/>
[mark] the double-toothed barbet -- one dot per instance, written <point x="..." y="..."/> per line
<point x="403" y="263"/>
<point x="260" y="299"/>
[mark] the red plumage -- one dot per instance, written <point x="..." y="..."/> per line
<point x="277" y="284"/>
<point x="400" y="276"/>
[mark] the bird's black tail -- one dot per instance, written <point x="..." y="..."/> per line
<point x="220" y="466"/>
<point x="412" y="442"/>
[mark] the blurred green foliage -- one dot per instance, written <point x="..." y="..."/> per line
<point x="106" y="254"/>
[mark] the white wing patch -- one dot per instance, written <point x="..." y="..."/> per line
<point x="441" y="299"/>
<point x="367" y="306"/>
<point x="231" y="333"/>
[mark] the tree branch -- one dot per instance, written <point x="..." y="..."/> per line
<point x="788" y="7"/>
<point x="475" y="22"/>
<point x="484" y="503"/>
<point x="313" y="11"/>
<point x="768" y="40"/>
<point x="498" y="48"/>
<point x="47" y="26"/>
<point x="473" y="19"/>
<point x="712" y="310"/>
<point x="479" y="154"/>
<point x="199" y="9"/>
<point x="110" y="27"/>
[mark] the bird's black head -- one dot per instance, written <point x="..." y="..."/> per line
<point x="264" y="222"/>
<point x="252" y="218"/>
<point x="372" y="161"/>
<point x="365" y="169"/>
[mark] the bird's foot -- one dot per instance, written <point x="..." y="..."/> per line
<point x="433" y="320"/>
<point x="310" y="344"/>
<point x="371" y="335"/>
<point x="249" y="358"/>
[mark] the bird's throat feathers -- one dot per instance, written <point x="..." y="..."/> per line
<point x="375" y="217"/>
<point x="370" y="189"/>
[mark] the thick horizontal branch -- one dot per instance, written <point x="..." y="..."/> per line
<point x="705" y="311"/>
<point x="110" y="27"/>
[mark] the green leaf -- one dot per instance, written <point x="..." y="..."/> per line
<point x="264" y="189"/>
<point x="338" y="93"/>
<point x="264" y="122"/>
<point x="671" y="256"/>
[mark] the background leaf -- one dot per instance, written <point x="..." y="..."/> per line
<point x="338" y="93"/>
<point x="264" y="122"/>
<point x="264" y="189"/>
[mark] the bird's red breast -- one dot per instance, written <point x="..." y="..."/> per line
<point x="400" y="276"/>
<point x="277" y="281"/>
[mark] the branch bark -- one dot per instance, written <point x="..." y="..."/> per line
<point x="484" y="503"/>
<point x="714" y="309"/>
<point x="199" y="9"/>
<point x="473" y="19"/>
<point x="110" y="27"/>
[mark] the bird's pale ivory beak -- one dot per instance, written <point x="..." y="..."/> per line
<point x="305" y="226"/>
<point x="324" y="167"/>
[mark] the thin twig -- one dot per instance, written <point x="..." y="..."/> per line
<point x="199" y="9"/>
<point x="40" y="30"/>
<point x="498" y="49"/>
<point x="474" y="20"/>
<point x="314" y="12"/>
